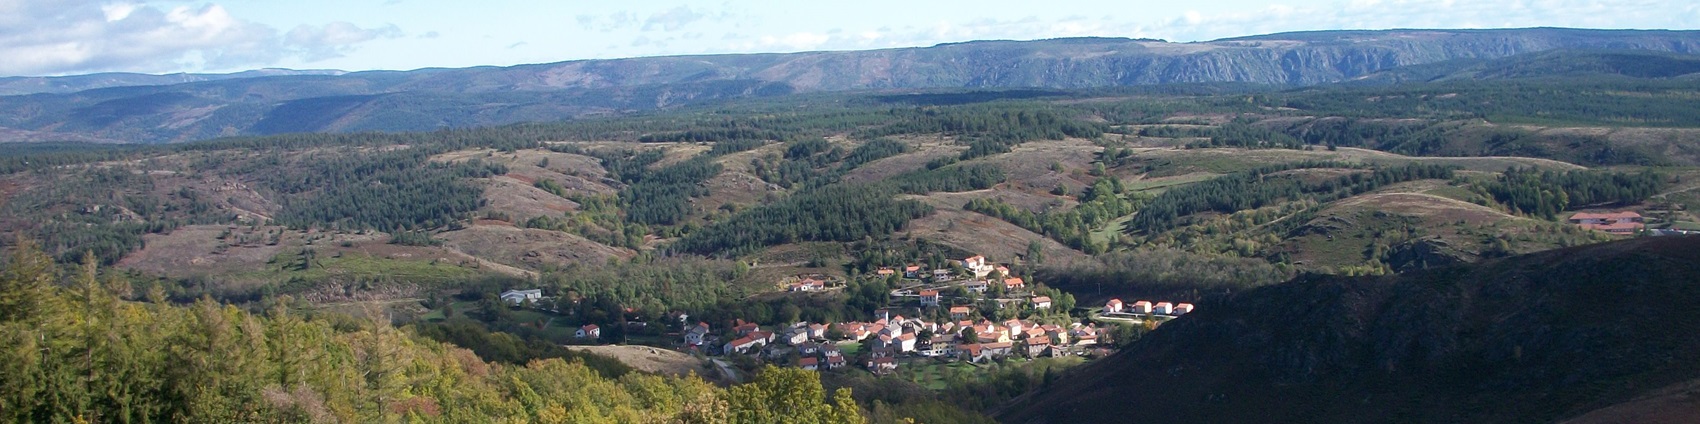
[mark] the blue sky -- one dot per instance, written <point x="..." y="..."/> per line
<point x="57" y="37"/>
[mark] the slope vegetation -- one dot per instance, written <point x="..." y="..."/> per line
<point x="1531" y="338"/>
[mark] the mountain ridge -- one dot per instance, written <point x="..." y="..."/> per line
<point x="436" y="98"/>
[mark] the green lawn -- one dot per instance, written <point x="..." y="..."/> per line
<point x="851" y="349"/>
<point x="934" y="375"/>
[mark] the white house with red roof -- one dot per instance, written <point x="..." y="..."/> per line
<point x="1610" y="222"/>
<point x="589" y="331"/>
<point x="808" y="284"/>
<point x="1042" y="302"/>
<point x="1182" y="308"/>
<point x="1142" y="307"/>
<point x="977" y="286"/>
<point x="959" y="312"/>
<point x="695" y="335"/>
<point x="743" y="345"/>
<point x="744" y="328"/>
<point x="979" y="266"/>
<point x="1163" y="308"/>
<point x="929" y="298"/>
<point x="1015" y="283"/>
<point x="810" y="364"/>
<point x="1114" y="306"/>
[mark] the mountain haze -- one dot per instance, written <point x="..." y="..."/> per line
<point x="426" y="99"/>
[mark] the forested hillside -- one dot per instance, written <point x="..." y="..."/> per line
<point x="85" y="350"/>
<point x="1535" y="338"/>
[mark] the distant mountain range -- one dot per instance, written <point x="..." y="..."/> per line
<point x="11" y="86"/>
<point x="183" y="107"/>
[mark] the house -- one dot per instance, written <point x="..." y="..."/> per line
<point x="978" y="286"/>
<point x="973" y="262"/>
<point x="515" y="297"/>
<point x="941" y="275"/>
<point x="1014" y="283"/>
<point x="1037" y="347"/>
<point x="912" y="271"/>
<point x="808" y="349"/>
<point x="1014" y="325"/>
<point x="695" y="335"/>
<point x="810" y="364"/>
<point x="857" y="332"/>
<point x="882" y="365"/>
<point x="808" y="284"/>
<point x="885" y="272"/>
<point x="796" y="336"/>
<point x="764" y="336"/>
<point x="1162" y="308"/>
<point x="1142" y="307"/>
<point x="941" y="345"/>
<point x="1183" y="308"/>
<point x="1084" y="335"/>
<point x="742" y="345"/>
<point x="1610" y="222"/>
<point x="1605" y="218"/>
<point x="817" y="331"/>
<point x="905" y="343"/>
<point x="984" y="352"/>
<point x="1042" y="302"/>
<point x="744" y="328"/>
<point x="1114" y="306"/>
<point x="1622" y="228"/>
<point x="589" y="331"/>
<point x="929" y="298"/>
<point x="835" y="362"/>
<point x="978" y="265"/>
<point x="830" y="350"/>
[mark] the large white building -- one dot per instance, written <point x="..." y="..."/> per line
<point x="516" y="297"/>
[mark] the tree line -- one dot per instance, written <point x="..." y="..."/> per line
<point x="84" y="352"/>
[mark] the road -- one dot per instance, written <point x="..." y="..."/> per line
<point x="726" y="368"/>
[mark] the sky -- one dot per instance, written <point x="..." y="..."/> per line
<point x="63" y="37"/>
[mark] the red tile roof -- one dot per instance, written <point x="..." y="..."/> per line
<point x="1605" y="215"/>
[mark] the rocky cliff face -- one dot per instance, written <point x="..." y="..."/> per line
<point x="144" y="109"/>
<point x="1533" y="338"/>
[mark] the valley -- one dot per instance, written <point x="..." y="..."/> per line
<point x="1421" y="235"/>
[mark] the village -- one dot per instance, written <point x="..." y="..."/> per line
<point x="972" y="311"/>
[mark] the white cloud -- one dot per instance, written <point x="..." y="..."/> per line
<point x="334" y="39"/>
<point x="672" y="19"/>
<point x="73" y="36"/>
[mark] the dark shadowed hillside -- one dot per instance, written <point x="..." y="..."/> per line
<point x="1533" y="338"/>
